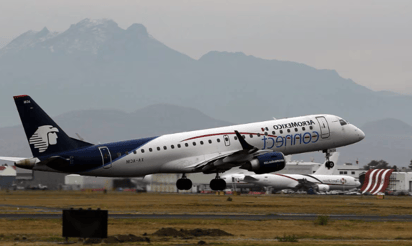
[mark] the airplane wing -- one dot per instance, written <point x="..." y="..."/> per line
<point x="250" y="179"/>
<point x="13" y="159"/>
<point x="226" y="161"/>
<point x="305" y="185"/>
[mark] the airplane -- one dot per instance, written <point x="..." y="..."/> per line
<point x="235" y="177"/>
<point x="321" y="181"/>
<point x="259" y="147"/>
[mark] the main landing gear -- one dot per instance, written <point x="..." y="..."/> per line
<point x="329" y="164"/>
<point x="217" y="183"/>
<point x="184" y="183"/>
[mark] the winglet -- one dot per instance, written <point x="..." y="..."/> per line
<point x="243" y="142"/>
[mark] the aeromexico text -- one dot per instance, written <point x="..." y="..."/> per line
<point x="291" y="139"/>
<point x="294" y="124"/>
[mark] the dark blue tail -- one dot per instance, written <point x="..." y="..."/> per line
<point x="44" y="135"/>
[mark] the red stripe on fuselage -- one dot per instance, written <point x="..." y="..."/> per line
<point x="228" y="133"/>
<point x="285" y="176"/>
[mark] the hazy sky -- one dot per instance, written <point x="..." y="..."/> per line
<point x="367" y="41"/>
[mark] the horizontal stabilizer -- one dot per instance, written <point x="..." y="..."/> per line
<point x="13" y="159"/>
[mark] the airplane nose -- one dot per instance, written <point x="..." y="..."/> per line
<point x="361" y="134"/>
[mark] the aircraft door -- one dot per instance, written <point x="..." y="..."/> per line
<point x="226" y="139"/>
<point x="106" y="157"/>
<point x="324" y="127"/>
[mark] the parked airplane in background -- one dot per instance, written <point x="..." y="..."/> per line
<point x="257" y="147"/>
<point x="235" y="178"/>
<point x="321" y="180"/>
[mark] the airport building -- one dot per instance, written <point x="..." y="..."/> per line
<point x="300" y="167"/>
<point x="39" y="180"/>
<point x="386" y="180"/>
<point x="78" y="182"/>
<point x="350" y="169"/>
<point x="400" y="181"/>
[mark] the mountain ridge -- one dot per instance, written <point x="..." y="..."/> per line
<point x="96" y="64"/>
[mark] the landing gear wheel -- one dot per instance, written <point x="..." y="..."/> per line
<point x="217" y="184"/>
<point x="329" y="164"/>
<point x="184" y="184"/>
<point x="328" y="152"/>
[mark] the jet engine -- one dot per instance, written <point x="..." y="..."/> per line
<point x="323" y="187"/>
<point x="27" y="163"/>
<point x="266" y="163"/>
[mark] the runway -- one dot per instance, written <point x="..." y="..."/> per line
<point x="222" y="216"/>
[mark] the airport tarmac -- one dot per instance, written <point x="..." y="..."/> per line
<point x="252" y="219"/>
<point x="223" y="216"/>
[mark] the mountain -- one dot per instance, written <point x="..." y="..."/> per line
<point x="387" y="139"/>
<point x="95" y="64"/>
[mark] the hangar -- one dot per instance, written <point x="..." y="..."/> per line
<point x="386" y="180"/>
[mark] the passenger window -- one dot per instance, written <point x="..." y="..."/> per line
<point x="134" y="152"/>
<point x="288" y="130"/>
<point x="243" y="136"/>
<point x="194" y="143"/>
<point x="201" y="142"/>
<point x="178" y="146"/>
<point x="226" y="139"/>
<point x="311" y="127"/>
<point x="266" y="133"/>
<point x="303" y="128"/>
<point x="353" y="172"/>
<point x="158" y="148"/>
<point x="150" y="149"/>
<point x="251" y="135"/>
<point x="164" y="147"/>
<point x="186" y="144"/>
<point x="141" y="150"/>
<point x="172" y="146"/>
<point x="218" y="140"/>
<point x="126" y="153"/>
<point x="258" y="134"/>
<point x="296" y="129"/>
<point x="235" y="138"/>
<point x="210" y="141"/>
<point x="273" y="132"/>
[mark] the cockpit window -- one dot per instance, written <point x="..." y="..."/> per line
<point x="342" y="122"/>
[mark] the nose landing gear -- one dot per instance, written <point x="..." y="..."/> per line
<point x="217" y="183"/>
<point x="329" y="164"/>
<point x="184" y="183"/>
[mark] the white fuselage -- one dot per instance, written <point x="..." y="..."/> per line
<point x="291" y="181"/>
<point x="179" y="152"/>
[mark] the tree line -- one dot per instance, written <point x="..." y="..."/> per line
<point x="381" y="164"/>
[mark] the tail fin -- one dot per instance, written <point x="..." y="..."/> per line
<point x="323" y="170"/>
<point x="44" y="135"/>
